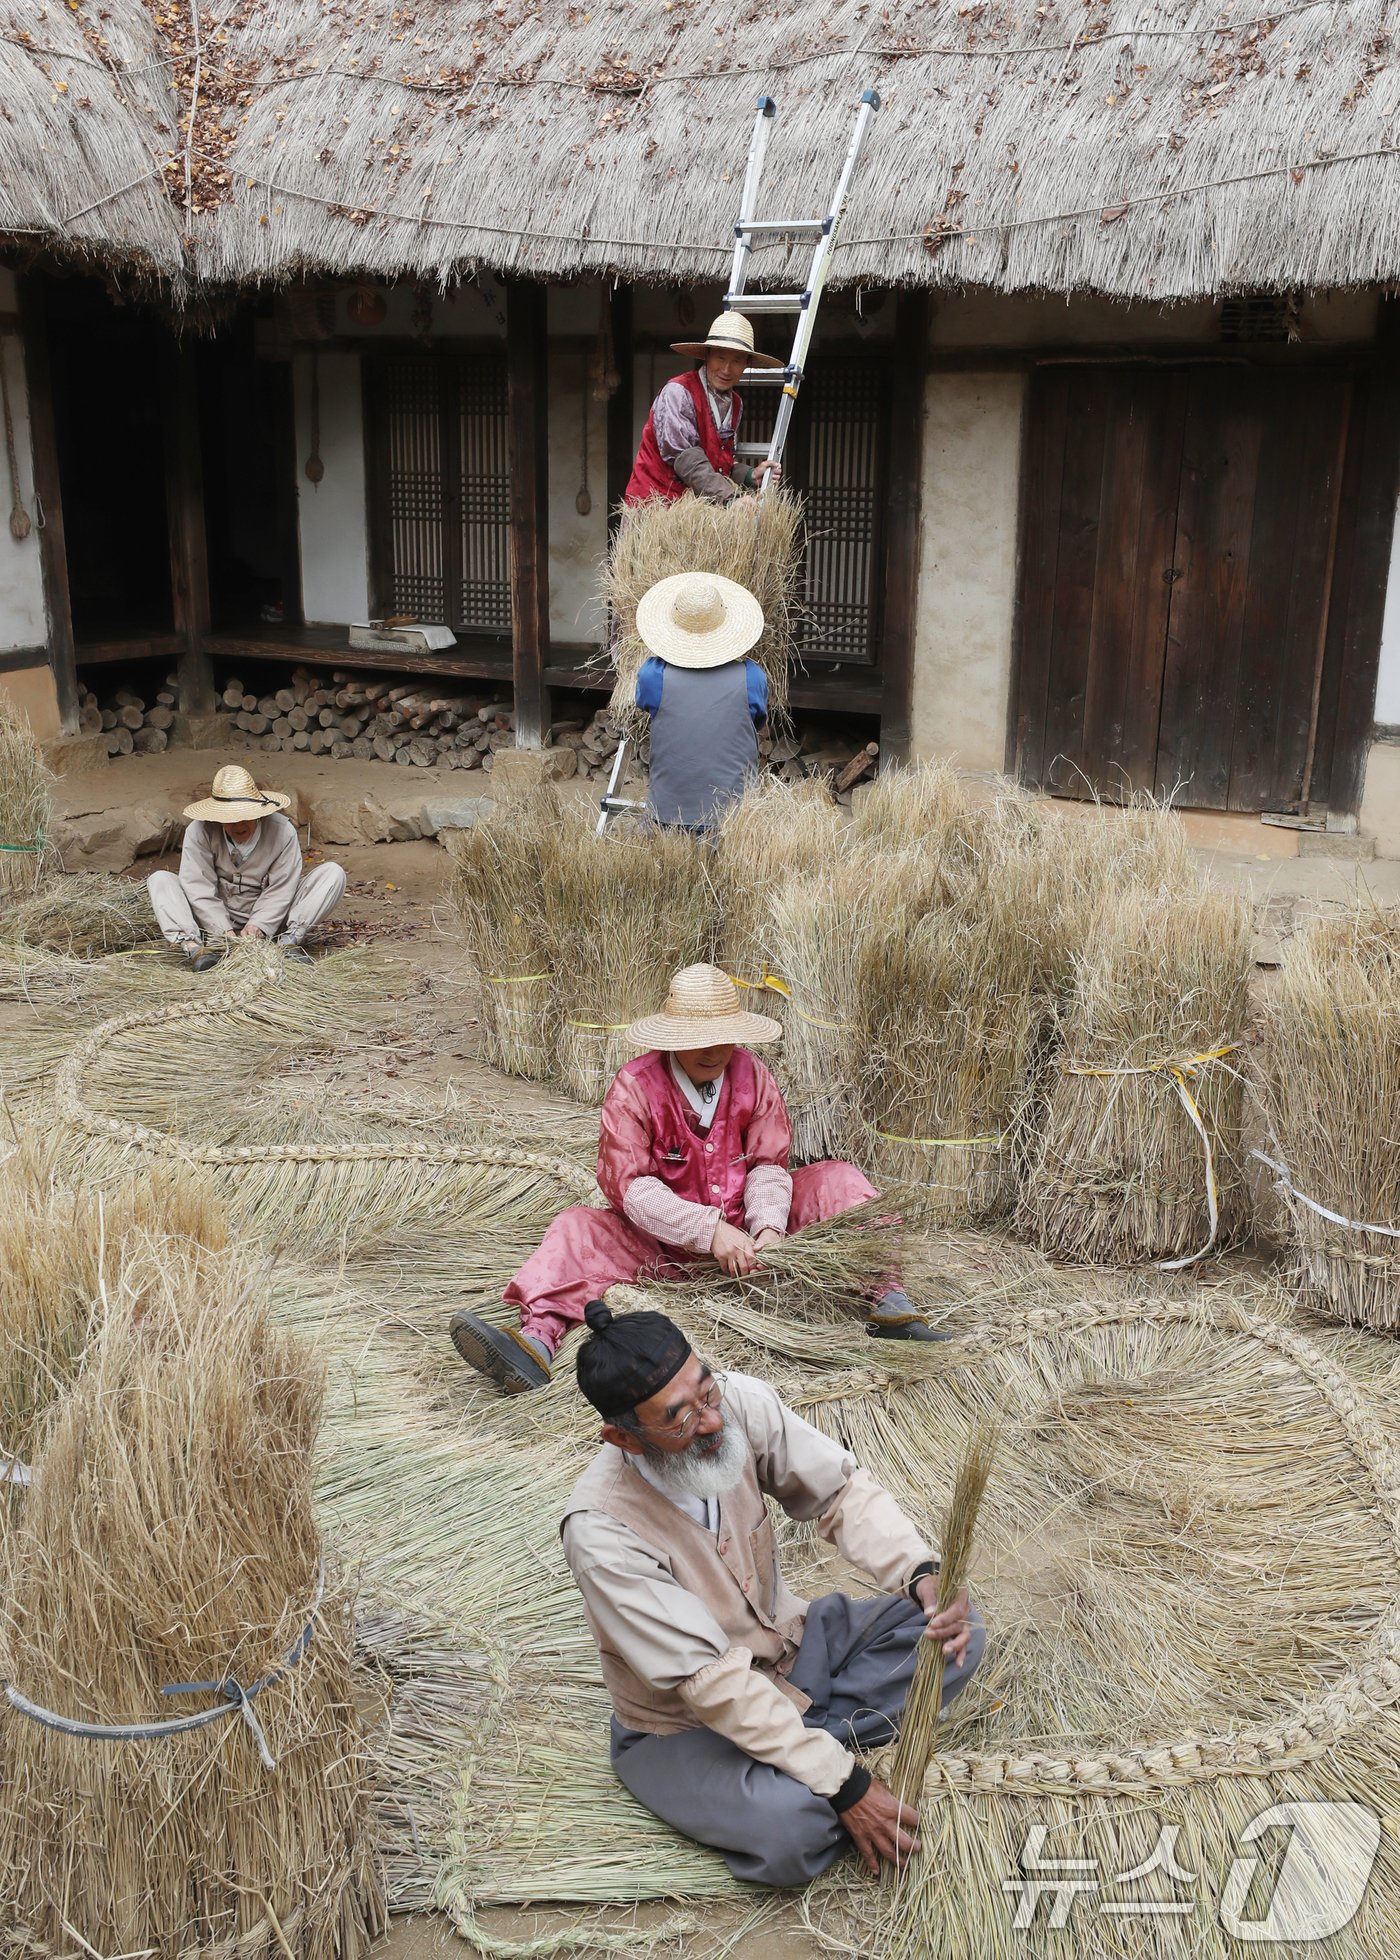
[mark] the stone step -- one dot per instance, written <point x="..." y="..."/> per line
<point x="1354" y="846"/>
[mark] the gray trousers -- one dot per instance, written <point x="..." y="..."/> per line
<point x="856" y="1662"/>
<point x="318" y="894"/>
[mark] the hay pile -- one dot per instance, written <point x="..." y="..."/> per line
<point x="496" y="891"/>
<point x="1330" y="1068"/>
<point x="774" y="833"/>
<point x="625" y="912"/>
<point x="26" y="810"/>
<point x="1138" y="1151"/>
<point x="752" y="540"/>
<point x="817" y="927"/>
<point x="82" y="917"/>
<point x="168" y="1538"/>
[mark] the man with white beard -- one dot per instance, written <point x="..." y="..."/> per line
<point x="735" y="1703"/>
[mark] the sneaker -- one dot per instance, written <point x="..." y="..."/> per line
<point x="201" y="962"/>
<point x="895" y="1318"/>
<point x="508" y="1358"/>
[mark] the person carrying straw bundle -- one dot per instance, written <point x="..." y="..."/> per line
<point x="688" y="441"/>
<point x="736" y="1704"/>
<point x="704" y="699"/>
<point x="693" y="1161"/>
<point x="241" y="876"/>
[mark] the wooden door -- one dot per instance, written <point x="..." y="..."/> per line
<point x="1179" y="540"/>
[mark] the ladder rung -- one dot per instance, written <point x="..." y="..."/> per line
<point x="767" y="377"/>
<point x="752" y="226"/>
<point x="769" y="302"/>
<point x="751" y="449"/>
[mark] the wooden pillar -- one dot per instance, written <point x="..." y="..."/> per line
<point x="53" y="553"/>
<point x="621" y="442"/>
<point x="902" y="516"/>
<point x="527" y="374"/>
<point x="184" y="507"/>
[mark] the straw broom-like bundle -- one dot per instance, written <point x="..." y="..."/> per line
<point x="949" y="1021"/>
<point x="1330" y="1069"/>
<point x="752" y="540"/>
<point x="625" y="912"/>
<point x="818" y="924"/>
<point x="25" y="807"/>
<point x="168" y="1538"/>
<point x="774" y="835"/>
<point x="918" y="1729"/>
<point x="83" y="916"/>
<point x="495" y="891"/>
<point x="1121" y="1171"/>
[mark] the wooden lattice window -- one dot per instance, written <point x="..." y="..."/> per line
<point x="439" y="488"/>
<point x="836" y="458"/>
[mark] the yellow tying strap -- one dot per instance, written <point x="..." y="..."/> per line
<point x="599" y="1027"/>
<point x="1156" y="1068"/>
<point x="774" y="985"/>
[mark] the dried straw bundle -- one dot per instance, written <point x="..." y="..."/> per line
<point x="750" y="539"/>
<point x="946" y="840"/>
<point x="25" y="807"/>
<point x="62" y="1251"/>
<point x="918" y="1731"/>
<point x="818" y="924"/>
<point x="773" y="834"/>
<point x="167" y="1538"/>
<point x="1120" y="1171"/>
<point x="624" y="912"/>
<point x="82" y="917"/>
<point x="495" y="890"/>
<point x="949" y="1022"/>
<point x="1331" y="1081"/>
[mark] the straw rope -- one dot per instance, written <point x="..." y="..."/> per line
<point x="239" y="992"/>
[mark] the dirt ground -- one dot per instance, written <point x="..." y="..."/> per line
<point x="396" y="897"/>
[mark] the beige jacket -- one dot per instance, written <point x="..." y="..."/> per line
<point x="695" y="1627"/>
<point x="225" y="895"/>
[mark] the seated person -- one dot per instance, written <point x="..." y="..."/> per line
<point x="693" y="1161"/>
<point x="736" y="1705"/>
<point x="704" y="698"/>
<point x="241" y="876"/>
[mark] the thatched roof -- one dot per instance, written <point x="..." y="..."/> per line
<point x="1111" y="146"/>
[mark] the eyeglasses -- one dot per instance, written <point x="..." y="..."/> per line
<point x="710" y="1398"/>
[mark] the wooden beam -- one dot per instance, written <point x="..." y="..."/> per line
<point x="902" y="518"/>
<point x="621" y="443"/>
<point x="528" y="391"/>
<point x="53" y="552"/>
<point x="184" y="507"/>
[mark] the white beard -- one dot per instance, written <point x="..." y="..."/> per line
<point x="713" y="1475"/>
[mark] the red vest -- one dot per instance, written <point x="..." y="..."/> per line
<point x="709" y="1167"/>
<point x="652" y="475"/>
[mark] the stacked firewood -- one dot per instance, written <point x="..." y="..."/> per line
<point x="424" y="724"/>
<point x="128" y="720"/>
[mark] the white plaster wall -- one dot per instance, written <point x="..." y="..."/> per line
<point x="577" y="544"/>
<point x="23" y="615"/>
<point x="1388" y="676"/>
<point x="332" y="515"/>
<point x="967" y="567"/>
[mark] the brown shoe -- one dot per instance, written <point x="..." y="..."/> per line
<point x="500" y="1353"/>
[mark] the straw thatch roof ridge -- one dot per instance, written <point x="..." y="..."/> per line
<point x="1144" y="148"/>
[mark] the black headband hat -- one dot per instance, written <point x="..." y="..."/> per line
<point x="628" y="1358"/>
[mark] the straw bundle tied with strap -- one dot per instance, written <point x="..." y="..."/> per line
<point x="1177" y="1073"/>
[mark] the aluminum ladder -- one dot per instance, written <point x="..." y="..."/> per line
<point x="804" y="303"/>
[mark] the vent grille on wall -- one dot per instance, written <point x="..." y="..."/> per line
<point x="1260" y="316"/>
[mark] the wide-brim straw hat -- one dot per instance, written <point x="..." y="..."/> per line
<point x="730" y="333"/>
<point x="699" y="619"/>
<point x="702" y="1011"/>
<point x="235" y="798"/>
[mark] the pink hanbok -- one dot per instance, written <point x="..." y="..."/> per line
<point x="668" y="1182"/>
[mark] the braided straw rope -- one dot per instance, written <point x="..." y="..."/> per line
<point x="1306" y="1733"/>
<point x="239" y="992"/>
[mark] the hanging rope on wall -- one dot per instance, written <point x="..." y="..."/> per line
<point x="20" y="526"/>
<point x="315" y="468"/>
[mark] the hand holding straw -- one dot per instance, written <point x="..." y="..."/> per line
<point x="921" y="1710"/>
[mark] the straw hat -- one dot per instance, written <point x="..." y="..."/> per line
<point x="698" y="619"/>
<point x="731" y="333"/>
<point x="235" y="798"/>
<point x="702" y="1011"/>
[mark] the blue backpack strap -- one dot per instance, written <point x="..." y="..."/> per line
<point x="650" y="676"/>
